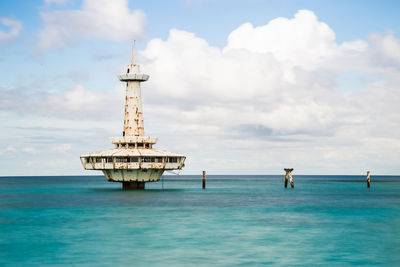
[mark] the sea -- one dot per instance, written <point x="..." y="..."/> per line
<point x="238" y="220"/>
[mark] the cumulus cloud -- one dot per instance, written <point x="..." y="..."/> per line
<point x="274" y="85"/>
<point x="102" y="19"/>
<point x="236" y="86"/>
<point x="386" y="49"/>
<point x="301" y="41"/>
<point x="281" y="76"/>
<point x="14" y="29"/>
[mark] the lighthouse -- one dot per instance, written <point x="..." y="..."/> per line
<point x="133" y="161"/>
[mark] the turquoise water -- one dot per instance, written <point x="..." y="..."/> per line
<point x="236" y="221"/>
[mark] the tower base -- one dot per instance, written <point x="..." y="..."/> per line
<point x="133" y="185"/>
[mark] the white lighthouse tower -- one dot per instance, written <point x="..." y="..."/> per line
<point x="133" y="161"/>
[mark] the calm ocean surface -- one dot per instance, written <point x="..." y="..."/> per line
<point x="236" y="221"/>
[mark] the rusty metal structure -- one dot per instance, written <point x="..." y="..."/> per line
<point x="133" y="161"/>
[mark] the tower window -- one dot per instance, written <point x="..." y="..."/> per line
<point x="148" y="159"/>
<point x="172" y="160"/>
<point x="121" y="160"/>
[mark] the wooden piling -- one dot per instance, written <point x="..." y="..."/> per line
<point x="368" y="180"/>
<point x="286" y="178"/>
<point x="204" y="179"/>
<point x="289" y="174"/>
<point x="291" y="179"/>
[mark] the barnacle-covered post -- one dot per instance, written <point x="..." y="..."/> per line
<point x="204" y="180"/>
<point x="289" y="174"/>
<point x="133" y="161"/>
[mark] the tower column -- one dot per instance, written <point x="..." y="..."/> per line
<point x="133" y="118"/>
<point x="133" y="185"/>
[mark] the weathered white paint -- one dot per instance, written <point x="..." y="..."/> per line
<point x="133" y="159"/>
<point x="133" y="175"/>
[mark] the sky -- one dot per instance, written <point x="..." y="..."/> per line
<point x="239" y="87"/>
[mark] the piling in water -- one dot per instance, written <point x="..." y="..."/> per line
<point x="289" y="174"/>
<point x="291" y="180"/>
<point x="204" y="179"/>
<point x="368" y="180"/>
<point x="286" y="179"/>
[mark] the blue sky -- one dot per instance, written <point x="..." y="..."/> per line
<point x="239" y="87"/>
<point x="349" y="19"/>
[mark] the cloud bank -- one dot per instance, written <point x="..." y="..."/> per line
<point x="102" y="19"/>
<point x="280" y="76"/>
<point x="77" y="103"/>
<point x="275" y="87"/>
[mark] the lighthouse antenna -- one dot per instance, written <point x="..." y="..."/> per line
<point x="133" y="53"/>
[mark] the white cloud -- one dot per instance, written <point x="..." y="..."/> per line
<point x="274" y="87"/>
<point x="301" y="41"/>
<point x="57" y="2"/>
<point x="30" y="150"/>
<point x="75" y="103"/>
<point x="62" y="148"/>
<point x="52" y="164"/>
<point x="236" y="86"/>
<point x="8" y="150"/>
<point x="14" y="26"/>
<point x="102" y="19"/>
<point x="387" y="49"/>
<point x="281" y="76"/>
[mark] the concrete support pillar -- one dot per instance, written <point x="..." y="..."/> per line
<point x="133" y="185"/>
